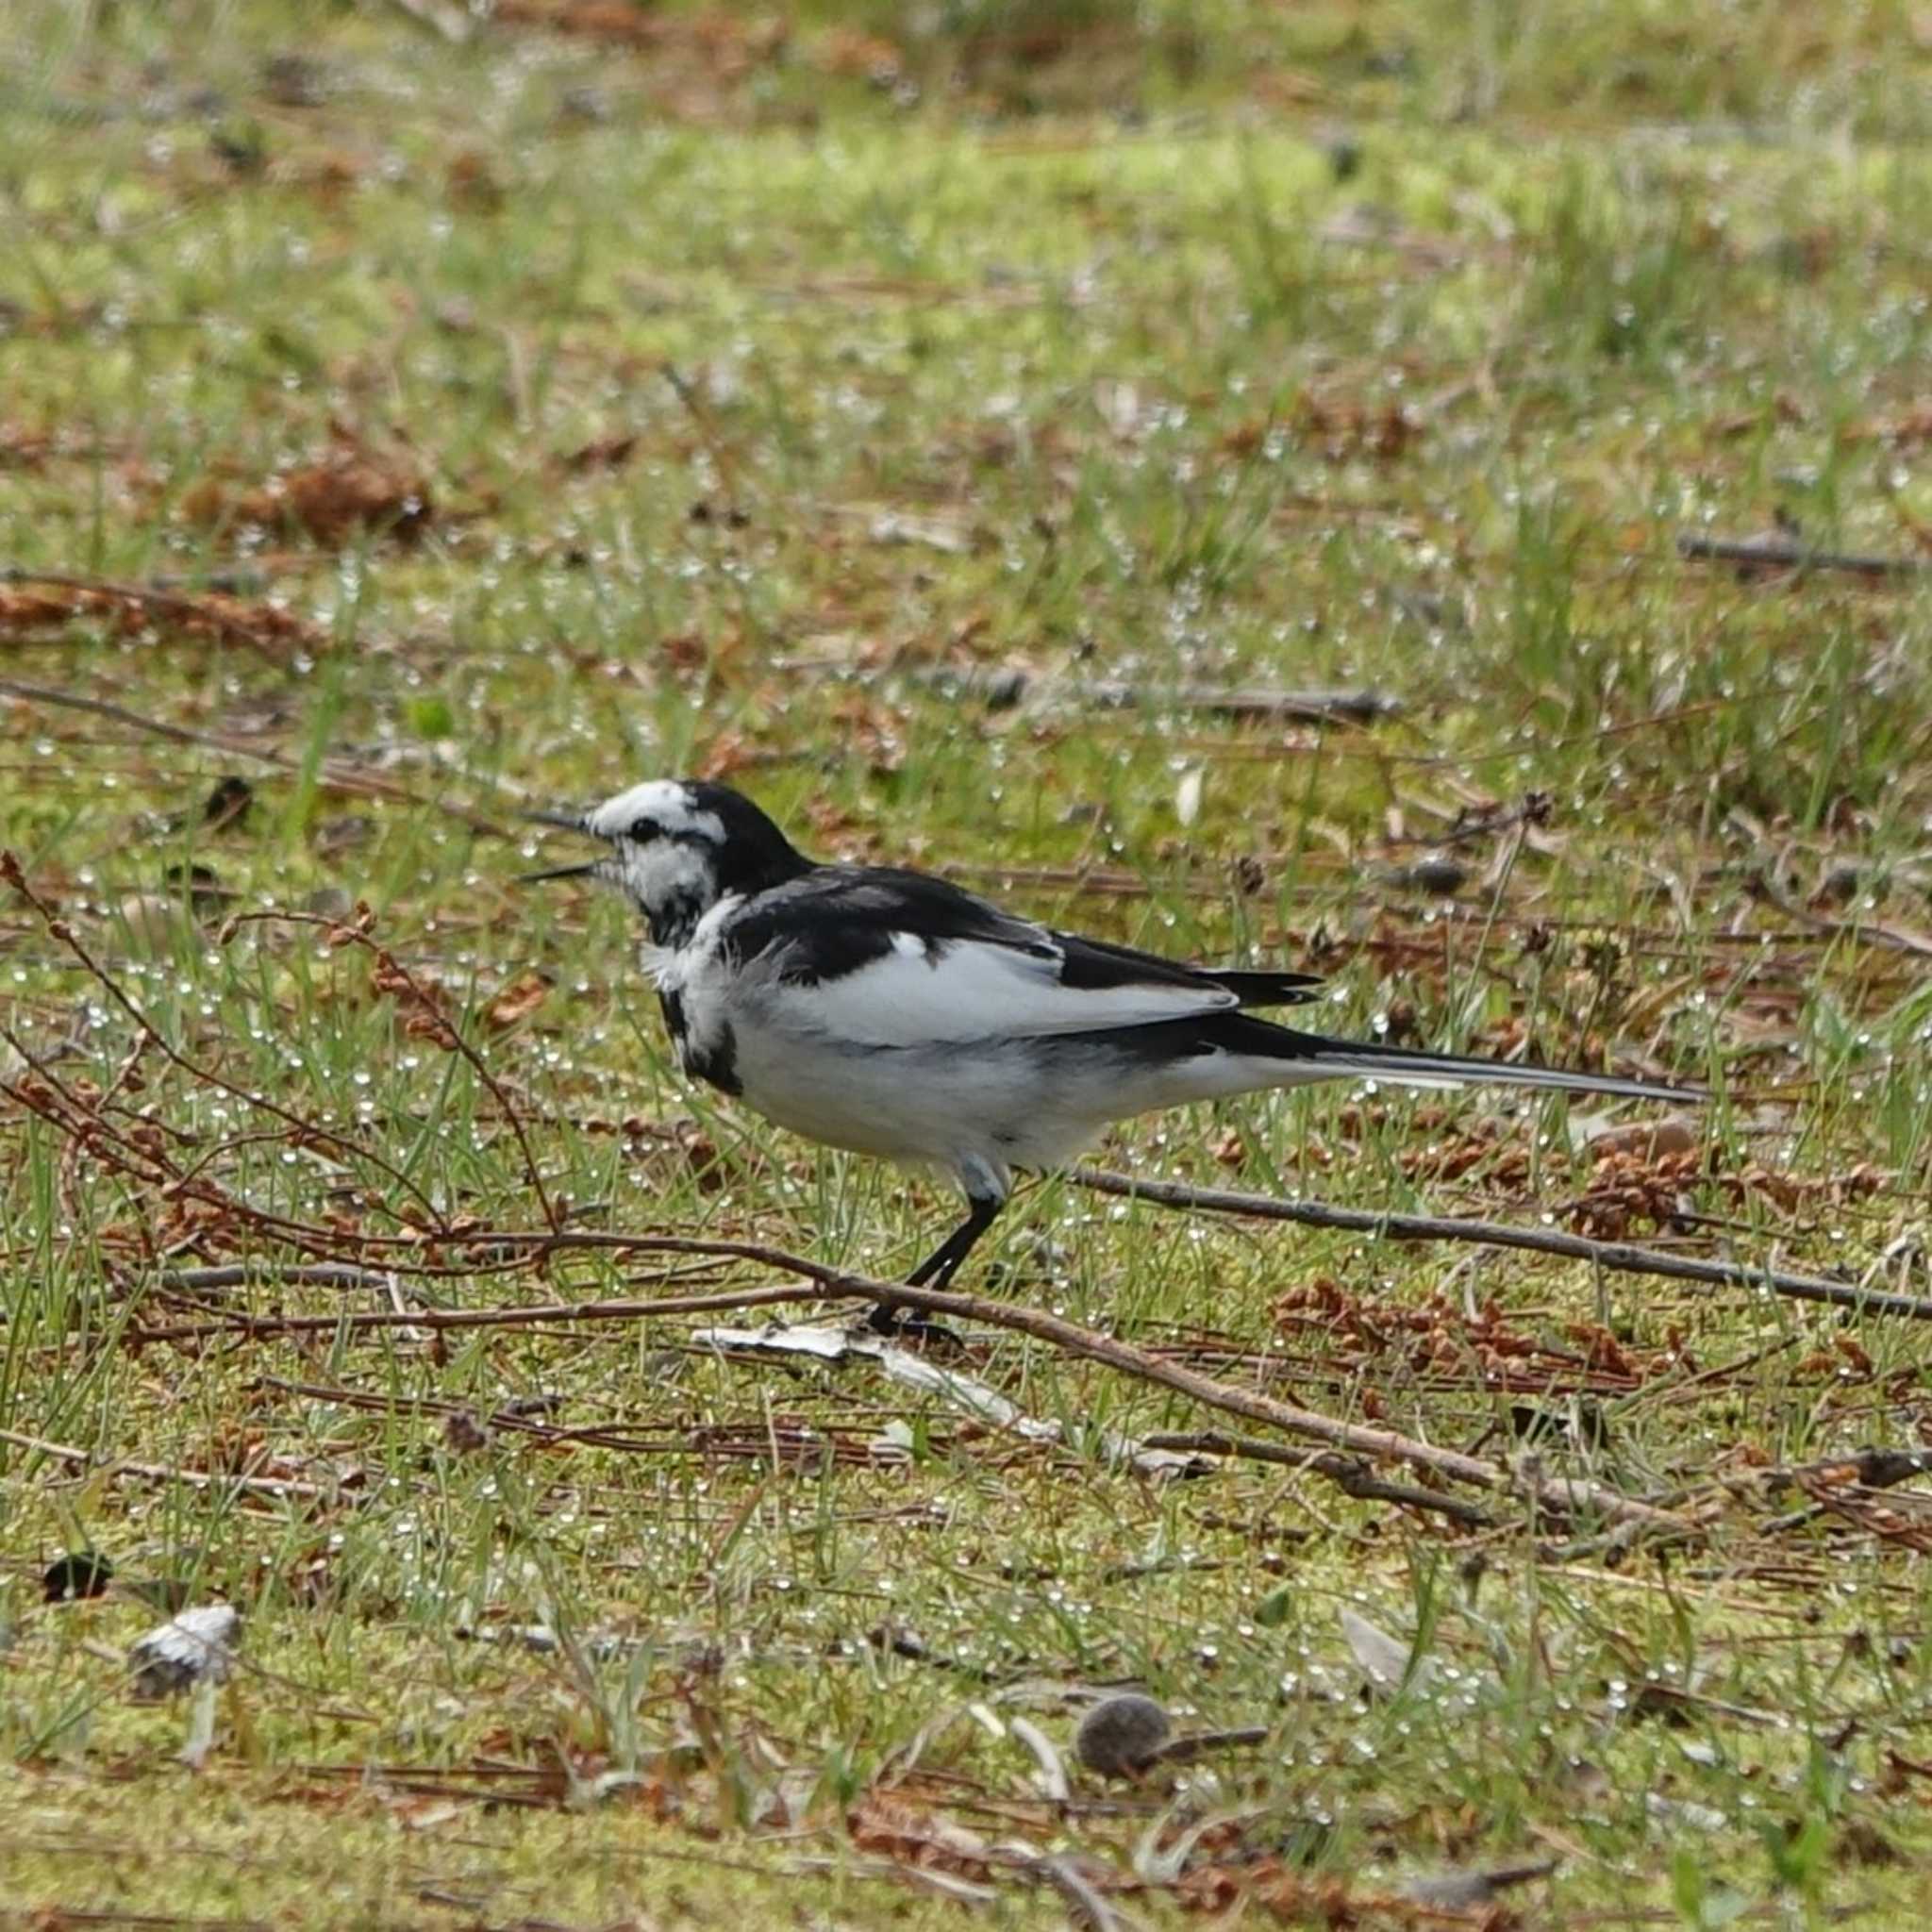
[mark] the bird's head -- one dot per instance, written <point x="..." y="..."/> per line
<point x="677" y="847"/>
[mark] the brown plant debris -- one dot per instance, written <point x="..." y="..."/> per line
<point x="34" y="604"/>
<point x="517" y="1001"/>
<point x="350" y="491"/>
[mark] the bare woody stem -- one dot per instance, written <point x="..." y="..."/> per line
<point x="1624" y="1258"/>
<point x="1561" y="1496"/>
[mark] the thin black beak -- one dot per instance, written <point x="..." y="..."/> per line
<point x="564" y="822"/>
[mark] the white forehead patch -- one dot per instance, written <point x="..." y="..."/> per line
<point x="667" y="802"/>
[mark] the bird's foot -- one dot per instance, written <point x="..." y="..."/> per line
<point x="904" y="1328"/>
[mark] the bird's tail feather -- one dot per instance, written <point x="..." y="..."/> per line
<point x="1402" y="1067"/>
<point x="1267" y="988"/>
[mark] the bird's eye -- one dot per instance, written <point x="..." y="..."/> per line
<point x="643" y="830"/>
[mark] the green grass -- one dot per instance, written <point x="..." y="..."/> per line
<point x="742" y="385"/>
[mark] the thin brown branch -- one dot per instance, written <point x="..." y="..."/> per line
<point x="343" y="932"/>
<point x="316" y="1274"/>
<point x="1622" y="1258"/>
<point x="999" y="688"/>
<point x="332" y="776"/>
<point x="1859" y="931"/>
<point x="233" y="623"/>
<point x="1192" y="1745"/>
<point x="1865" y="1473"/>
<point x="1352" y="1476"/>
<point x="166" y="1473"/>
<point x="532" y="1315"/>
<point x="63" y="934"/>
<point x="1787" y="552"/>
<point x="61" y="1452"/>
<point x="1558" y="1495"/>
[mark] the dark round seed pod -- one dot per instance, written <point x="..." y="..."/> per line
<point x="1122" y="1734"/>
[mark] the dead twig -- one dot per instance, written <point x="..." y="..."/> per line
<point x="1787" y="552"/>
<point x="1869" y="931"/>
<point x="1560" y="1496"/>
<point x="261" y="626"/>
<point x="1352" y="1476"/>
<point x="1622" y="1258"/>
<point x="1841" y="1477"/>
<point x="166" y="1473"/>
<point x="1001" y="688"/>
<point x="313" y="1274"/>
<point x="1471" y="823"/>
<point x="332" y="776"/>
<point x="1305" y="707"/>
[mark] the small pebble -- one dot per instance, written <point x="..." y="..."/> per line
<point x="1437" y="873"/>
<point x="465" y="1432"/>
<point x="1840" y="884"/>
<point x="1122" y="1734"/>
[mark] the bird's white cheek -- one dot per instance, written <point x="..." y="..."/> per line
<point x="663" y="872"/>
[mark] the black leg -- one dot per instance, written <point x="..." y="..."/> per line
<point x="937" y="1270"/>
<point x="943" y="1262"/>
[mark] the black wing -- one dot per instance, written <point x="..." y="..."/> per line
<point x="836" y="919"/>
<point x="839" y="918"/>
<point x="1111" y="965"/>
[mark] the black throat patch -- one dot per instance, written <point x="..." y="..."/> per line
<point x="715" y="1062"/>
<point x="674" y="920"/>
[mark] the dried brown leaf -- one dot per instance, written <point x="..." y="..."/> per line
<point x="348" y="491"/>
<point x="517" y="1001"/>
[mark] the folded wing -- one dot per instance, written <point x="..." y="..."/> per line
<point x="881" y="959"/>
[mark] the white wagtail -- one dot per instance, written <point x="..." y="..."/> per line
<point x="900" y="1015"/>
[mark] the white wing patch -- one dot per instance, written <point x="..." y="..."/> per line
<point x="973" y="990"/>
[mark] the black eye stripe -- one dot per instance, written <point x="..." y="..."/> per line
<point x="649" y="831"/>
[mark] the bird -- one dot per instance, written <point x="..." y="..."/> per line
<point x="896" y="1014"/>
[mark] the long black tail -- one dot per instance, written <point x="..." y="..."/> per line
<point x="1402" y="1066"/>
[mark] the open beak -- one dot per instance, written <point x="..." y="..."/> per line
<point x="564" y="822"/>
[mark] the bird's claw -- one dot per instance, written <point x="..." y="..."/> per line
<point x="904" y="1328"/>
